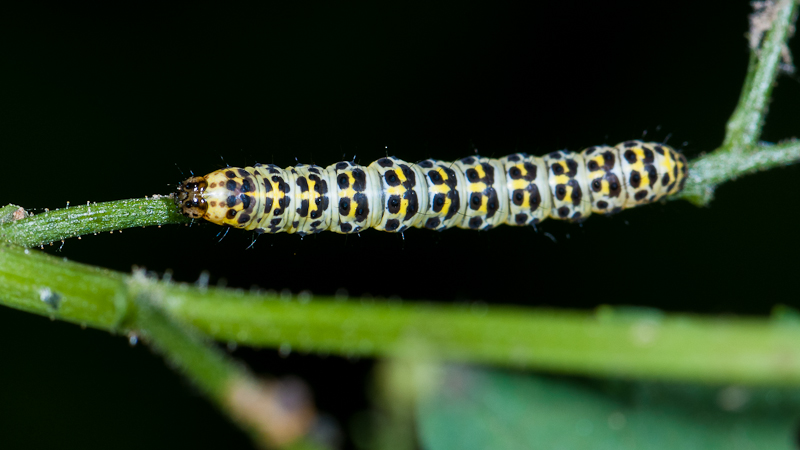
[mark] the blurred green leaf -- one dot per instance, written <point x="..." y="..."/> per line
<point x="481" y="409"/>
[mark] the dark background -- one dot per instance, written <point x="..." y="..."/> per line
<point x="109" y="103"/>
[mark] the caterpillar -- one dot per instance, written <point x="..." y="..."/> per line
<point x="474" y="192"/>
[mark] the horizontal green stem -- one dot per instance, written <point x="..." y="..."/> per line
<point x="705" y="174"/>
<point x="713" y="169"/>
<point x="36" y="282"/>
<point x="676" y="347"/>
<point x="641" y="346"/>
<point x="75" y="221"/>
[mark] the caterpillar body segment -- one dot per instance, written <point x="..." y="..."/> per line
<point x="474" y="192"/>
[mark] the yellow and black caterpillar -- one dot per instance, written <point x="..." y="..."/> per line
<point x="474" y="192"/>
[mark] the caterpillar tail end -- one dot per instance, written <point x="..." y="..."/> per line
<point x="190" y="199"/>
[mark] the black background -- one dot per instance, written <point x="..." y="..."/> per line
<point x="109" y="103"/>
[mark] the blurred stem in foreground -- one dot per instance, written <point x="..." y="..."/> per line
<point x="607" y="342"/>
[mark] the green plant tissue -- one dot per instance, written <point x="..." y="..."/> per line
<point x="483" y="409"/>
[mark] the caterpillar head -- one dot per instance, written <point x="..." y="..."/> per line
<point x="190" y="197"/>
<point x="223" y="197"/>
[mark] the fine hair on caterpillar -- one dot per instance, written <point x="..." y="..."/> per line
<point x="474" y="192"/>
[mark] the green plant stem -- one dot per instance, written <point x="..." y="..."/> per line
<point x="35" y="282"/>
<point x="212" y="371"/>
<point x="626" y="345"/>
<point x="92" y="218"/>
<point x="253" y="404"/>
<point x="738" y="155"/>
<point x="756" y="351"/>
<point x="705" y="174"/>
<point x="177" y="318"/>
<point x="713" y="169"/>
<point x="608" y="343"/>
<point x="185" y="349"/>
<point x="744" y="127"/>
